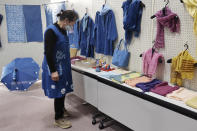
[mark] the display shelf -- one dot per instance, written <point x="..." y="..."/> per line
<point x="174" y="105"/>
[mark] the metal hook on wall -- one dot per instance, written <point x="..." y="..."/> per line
<point x="186" y="45"/>
<point x="86" y="10"/>
<point x="168" y="1"/>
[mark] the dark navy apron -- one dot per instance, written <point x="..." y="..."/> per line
<point x="61" y="57"/>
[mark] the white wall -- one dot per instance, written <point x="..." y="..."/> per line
<point x="174" y="42"/>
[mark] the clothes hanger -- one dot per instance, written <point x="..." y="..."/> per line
<point x="142" y="4"/>
<point x="187" y="47"/>
<point x="104" y="3"/>
<point x="86" y="11"/>
<point x="163" y="10"/>
<point x="153" y="50"/>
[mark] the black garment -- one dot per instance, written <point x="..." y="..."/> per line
<point x="49" y="43"/>
<point x="59" y="107"/>
<point x="1" y="18"/>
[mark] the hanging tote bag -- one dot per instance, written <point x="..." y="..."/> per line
<point x="121" y="57"/>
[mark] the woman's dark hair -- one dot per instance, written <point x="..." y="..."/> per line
<point x="68" y="14"/>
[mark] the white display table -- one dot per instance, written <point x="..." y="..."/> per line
<point x="134" y="109"/>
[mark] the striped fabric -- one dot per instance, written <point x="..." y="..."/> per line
<point x="182" y="68"/>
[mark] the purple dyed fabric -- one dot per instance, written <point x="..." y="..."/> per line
<point x="163" y="89"/>
<point x="170" y="20"/>
<point x="148" y="85"/>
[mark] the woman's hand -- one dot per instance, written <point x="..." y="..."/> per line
<point x="55" y="76"/>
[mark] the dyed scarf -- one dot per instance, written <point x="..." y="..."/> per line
<point x="85" y="22"/>
<point x="191" y="6"/>
<point x="170" y="20"/>
<point x="132" y="15"/>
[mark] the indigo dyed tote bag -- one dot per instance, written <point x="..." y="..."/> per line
<point x="121" y="57"/>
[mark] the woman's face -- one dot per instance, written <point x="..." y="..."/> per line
<point x="68" y="23"/>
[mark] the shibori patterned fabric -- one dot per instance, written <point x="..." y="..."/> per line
<point x="15" y="23"/>
<point x="24" y="23"/>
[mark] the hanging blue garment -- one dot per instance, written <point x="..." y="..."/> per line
<point x="71" y="38"/>
<point x="63" y="65"/>
<point x="86" y="40"/>
<point x="105" y="31"/>
<point x="132" y="15"/>
<point x="33" y="25"/>
<point x="15" y="23"/>
<point x="74" y="36"/>
<point x="51" y="10"/>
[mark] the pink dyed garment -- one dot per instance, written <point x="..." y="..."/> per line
<point x="163" y="89"/>
<point x="150" y="62"/>
<point x="170" y="20"/>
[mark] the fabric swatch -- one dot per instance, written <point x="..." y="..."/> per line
<point x="15" y="23"/>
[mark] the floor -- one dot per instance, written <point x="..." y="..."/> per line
<point x="32" y="111"/>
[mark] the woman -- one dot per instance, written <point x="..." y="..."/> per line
<point x="56" y="75"/>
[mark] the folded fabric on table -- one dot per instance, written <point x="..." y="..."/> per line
<point x="182" y="94"/>
<point x="163" y="89"/>
<point x="148" y="85"/>
<point x="122" y="78"/>
<point x="132" y="82"/>
<point x="121" y="71"/>
<point x="192" y="102"/>
<point x="107" y="74"/>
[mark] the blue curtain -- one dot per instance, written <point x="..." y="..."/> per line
<point x="33" y="23"/>
<point x="51" y="10"/>
<point x="15" y="23"/>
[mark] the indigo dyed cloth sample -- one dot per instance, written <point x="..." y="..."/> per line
<point x="33" y="23"/>
<point x="15" y="23"/>
<point x="51" y="10"/>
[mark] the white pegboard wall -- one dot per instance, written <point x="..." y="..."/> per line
<point x="174" y="42"/>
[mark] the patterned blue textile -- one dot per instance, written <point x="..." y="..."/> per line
<point x="15" y="23"/>
<point x="51" y="10"/>
<point x="33" y="25"/>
